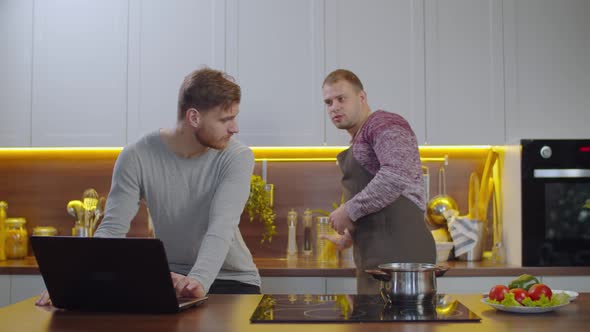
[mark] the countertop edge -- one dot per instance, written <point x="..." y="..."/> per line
<point x="270" y="267"/>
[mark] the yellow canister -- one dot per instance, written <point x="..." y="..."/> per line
<point x="17" y="240"/>
<point x="44" y="231"/>
<point x="326" y="252"/>
<point x="3" y="208"/>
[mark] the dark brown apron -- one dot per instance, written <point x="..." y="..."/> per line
<point x="395" y="234"/>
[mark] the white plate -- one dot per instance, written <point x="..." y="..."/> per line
<point x="573" y="295"/>
<point x="522" y="310"/>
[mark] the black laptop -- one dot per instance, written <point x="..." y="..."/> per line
<point x="108" y="274"/>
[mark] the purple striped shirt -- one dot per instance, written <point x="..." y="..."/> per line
<point x="386" y="147"/>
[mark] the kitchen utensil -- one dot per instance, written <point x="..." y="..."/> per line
<point x="473" y="196"/>
<point x="485" y="201"/>
<point x="407" y="283"/>
<point x="98" y="212"/>
<point x="440" y="203"/>
<point x="76" y="209"/>
<point x="498" y="254"/>
<point x="426" y="177"/>
<point x="497" y="245"/>
<point x="90" y="201"/>
<point x="483" y="190"/>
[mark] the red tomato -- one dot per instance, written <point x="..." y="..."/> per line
<point x="537" y="289"/>
<point x="497" y="292"/>
<point x="519" y="294"/>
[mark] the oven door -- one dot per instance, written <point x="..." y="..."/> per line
<point x="556" y="217"/>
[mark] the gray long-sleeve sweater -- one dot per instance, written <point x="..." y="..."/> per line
<point x="195" y="205"/>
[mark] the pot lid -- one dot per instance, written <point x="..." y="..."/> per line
<point x="409" y="267"/>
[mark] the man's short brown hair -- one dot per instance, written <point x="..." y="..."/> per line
<point x="206" y="88"/>
<point x="343" y="75"/>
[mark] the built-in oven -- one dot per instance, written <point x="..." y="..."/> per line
<point x="555" y="202"/>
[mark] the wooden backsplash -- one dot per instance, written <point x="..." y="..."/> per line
<point x="38" y="184"/>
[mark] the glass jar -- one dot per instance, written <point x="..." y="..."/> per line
<point x="16" y="238"/>
<point x="44" y="231"/>
<point x="326" y="251"/>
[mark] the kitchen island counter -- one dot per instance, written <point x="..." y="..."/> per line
<point x="232" y="313"/>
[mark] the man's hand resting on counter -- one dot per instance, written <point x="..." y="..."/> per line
<point x="186" y="286"/>
<point x="340" y="241"/>
<point x="43" y="299"/>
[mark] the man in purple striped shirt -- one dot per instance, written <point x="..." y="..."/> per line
<point x="383" y="213"/>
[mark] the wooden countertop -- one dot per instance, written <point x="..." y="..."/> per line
<point x="232" y="313"/>
<point x="302" y="267"/>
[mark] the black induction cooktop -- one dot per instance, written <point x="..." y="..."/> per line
<point x="355" y="309"/>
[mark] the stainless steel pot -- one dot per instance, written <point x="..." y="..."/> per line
<point x="408" y="283"/>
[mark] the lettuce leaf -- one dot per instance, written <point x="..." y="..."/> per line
<point x="559" y="299"/>
<point x="508" y="301"/>
<point x="556" y="299"/>
<point x="541" y="302"/>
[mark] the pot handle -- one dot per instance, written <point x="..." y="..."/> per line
<point x="440" y="270"/>
<point x="379" y="275"/>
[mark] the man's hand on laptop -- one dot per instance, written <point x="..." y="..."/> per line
<point x="186" y="286"/>
<point x="43" y="299"/>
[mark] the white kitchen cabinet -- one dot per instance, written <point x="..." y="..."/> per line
<point x="461" y="285"/>
<point x="168" y="40"/>
<point x="383" y="43"/>
<point x="464" y="285"/>
<point x="464" y="72"/>
<point x="293" y="285"/>
<point x="79" y="85"/>
<point x="4" y="290"/>
<point x="547" y="52"/>
<point x="574" y="283"/>
<point x="16" y="51"/>
<point x="338" y="285"/>
<point x="275" y="50"/>
<point x="25" y="286"/>
<point x="104" y="73"/>
<point x="15" y="288"/>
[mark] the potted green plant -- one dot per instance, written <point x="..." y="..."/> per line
<point x="259" y="207"/>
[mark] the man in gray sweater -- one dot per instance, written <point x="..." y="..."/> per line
<point x="195" y="180"/>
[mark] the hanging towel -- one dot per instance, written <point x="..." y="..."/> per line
<point x="464" y="232"/>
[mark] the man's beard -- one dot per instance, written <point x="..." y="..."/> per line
<point x="213" y="144"/>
